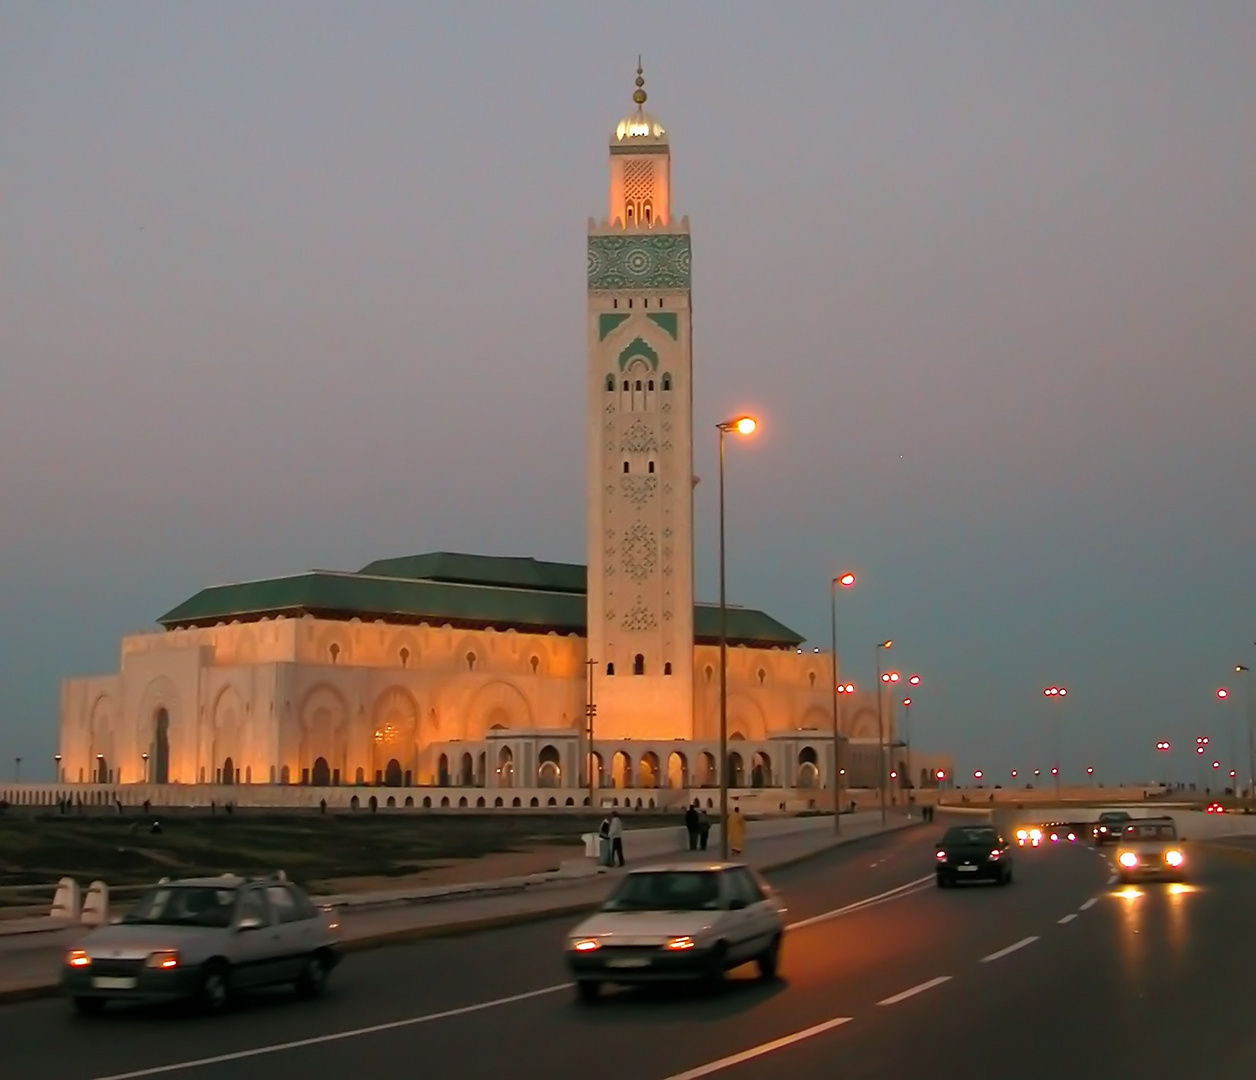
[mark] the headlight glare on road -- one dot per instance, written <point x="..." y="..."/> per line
<point x="586" y="944"/>
<point x="1128" y="858"/>
<point x="77" y="958"/>
<point x="679" y="944"/>
<point x="164" y="960"/>
<point x="1174" y="857"/>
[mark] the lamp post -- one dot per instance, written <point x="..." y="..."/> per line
<point x="881" y="725"/>
<point x="846" y="580"/>
<point x="1056" y="693"/>
<point x="1245" y="671"/>
<point x="17" y="770"/>
<point x="838" y="770"/>
<point x="144" y="757"/>
<point x="590" y="711"/>
<point x="744" y="425"/>
<point x="100" y="758"/>
<point x="57" y="761"/>
<point x="1163" y="747"/>
<point x="907" y="704"/>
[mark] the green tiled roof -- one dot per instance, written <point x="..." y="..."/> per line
<point x="463" y="590"/>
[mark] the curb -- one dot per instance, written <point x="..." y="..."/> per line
<point x="37" y="991"/>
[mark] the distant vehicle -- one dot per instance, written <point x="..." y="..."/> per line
<point x="973" y="852"/>
<point x="1110" y="826"/>
<point x="1031" y="837"/>
<point x="1150" y="847"/>
<point x="682" y="921"/>
<point x="1060" y="832"/>
<point x="205" y="938"/>
<point x="1216" y="808"/>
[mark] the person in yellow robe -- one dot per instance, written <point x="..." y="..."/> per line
<point x="736" y="831"/>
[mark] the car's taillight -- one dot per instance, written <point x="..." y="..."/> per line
<point x="996" y="853"/>
<point x="78" y="958"/>
<point x="681" y="943"/>
<point x="587" y="945"/>
<point x="941" y="856"/>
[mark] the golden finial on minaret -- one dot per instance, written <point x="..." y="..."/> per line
<point x="639" y="94"/>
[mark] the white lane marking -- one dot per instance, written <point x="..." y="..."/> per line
<point x="1068" y="918"/>
<point x="920" y="988"/>
<point x="1010" y="949"/>
<point x="1089" y="904"/>
<point x="868" y="901"/>
<point x="1112" y="878"/>
<point x="759" y="1051"/>
<point x="353" y="1033"/>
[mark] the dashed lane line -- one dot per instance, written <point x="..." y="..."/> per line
<point x="1067" y="918"/>
<point x="868" y="901"/>
<point x="919" y="988"/>
<point x="1089" y="904"/>
<point x="1010" y="949"/>
<point x="761" y="1050"/>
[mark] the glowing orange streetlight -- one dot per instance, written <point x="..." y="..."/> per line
<point x="845" y="580"/>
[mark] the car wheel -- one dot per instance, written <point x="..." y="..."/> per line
<point x="769" y="960"/>
<point x="942" y="882"/>
<point x="587" y="990"/>
<point x="716" y="966"/>
<point x="214" y="992"/>
<point x="313" y="980"/>
<point x="1007" y="877"/>
<point x="89" y="1006"/>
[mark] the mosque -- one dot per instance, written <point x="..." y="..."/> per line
<point x="454" y="671"/>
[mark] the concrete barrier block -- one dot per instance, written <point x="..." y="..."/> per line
<point x="67" y="903"/>
<point x="96" y="905"/>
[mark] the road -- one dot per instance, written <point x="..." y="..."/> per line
<point x="1062" y="974"/>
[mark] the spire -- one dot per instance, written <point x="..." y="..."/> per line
<point x="639" y="95"/>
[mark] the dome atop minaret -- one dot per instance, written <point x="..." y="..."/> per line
<point x="640" y="127"/>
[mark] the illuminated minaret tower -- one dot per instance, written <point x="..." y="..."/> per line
<point x="640" y="455"/>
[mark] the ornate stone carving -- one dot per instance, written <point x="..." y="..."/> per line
<point x="648" y="261"/>
<point x="640" y="617"/>
<point x="639" y="551"/>
<point x="639" y="439"/>
<point x="638" y="490"/>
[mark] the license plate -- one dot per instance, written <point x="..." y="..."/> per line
<point x="633" y="963"/>
<point x="105" y="982"/>
<point x="967" y="869"/>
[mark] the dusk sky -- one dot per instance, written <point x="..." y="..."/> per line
<point x="294" y="285"/>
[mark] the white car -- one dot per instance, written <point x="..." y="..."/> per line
<point x="1150" y="848"/>
<point x="681" y="921"/>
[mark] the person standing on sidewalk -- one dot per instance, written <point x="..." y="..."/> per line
<point x="692" y="825"/>
<point x="736" y="832"/>
<point x="617" y="838"/>
<point x="704" y="828"/>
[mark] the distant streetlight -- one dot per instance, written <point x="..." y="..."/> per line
<point x="743" y="425"/>
<point x="846" y="581"/>
<point x="1013" y="774"/>
<point x="1055" y="693"/>
<point x="977" y="775"/>
<point x="145" y="758"/>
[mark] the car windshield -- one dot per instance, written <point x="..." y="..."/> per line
<point x="1118" y="816"/>
<point x="1161" y="830"/>
<point x="679" y="890"/>
<point x="970" y="835"/>
<point x="184" y="905"/>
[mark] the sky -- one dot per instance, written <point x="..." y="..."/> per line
<point x="301" y="284"/>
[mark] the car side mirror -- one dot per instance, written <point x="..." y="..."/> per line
<point x="248" y="923"/>
<point x="736" y="904"/>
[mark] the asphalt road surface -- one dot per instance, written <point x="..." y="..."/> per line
<point x="1061" y="974"/>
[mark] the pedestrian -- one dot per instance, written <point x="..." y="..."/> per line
<point x="616" y="834"/>
<point x="322" y="806"/>
<point x="704" y="829"/>
<point x="736" y="832"/>
<point x="604" y="842"/>
<point x="692" y="825"/>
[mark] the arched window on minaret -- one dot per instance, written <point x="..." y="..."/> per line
<point x="628" y="218"/>
<point x="638" y="664"/>
<point x="647" y="213"/>
<point x="610" y="669"/>
<point x="667" y="382"/>
<point x="610" y="384"/>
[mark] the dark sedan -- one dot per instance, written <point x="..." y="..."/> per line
<point x="973" y="853"/>
<point x="1110" y="826"/>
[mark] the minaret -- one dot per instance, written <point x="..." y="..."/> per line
<point x="640" y="455"/>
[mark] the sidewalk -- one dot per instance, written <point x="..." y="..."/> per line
<point x="29" y="963"/>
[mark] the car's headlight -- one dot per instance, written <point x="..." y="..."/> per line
<point x="1128" y="858"/>
<point x="1174" y="857"/>
<point x="1035" y="834"/>
<point x="1072" y="836"/>
<point x="1022" y="834"/>
<point x="77" y="958"/>
<point x="680" y="944"/>
<point x="163" y="960"/>
<point x="586" y="944"/>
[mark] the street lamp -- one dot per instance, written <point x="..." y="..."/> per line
<point x="100" y="759"/>
<point x="1243" y="670"/>
<point x="846" y="581"/>
<point x="1055" y="693"/>
<point x="907" y="703"/>
<point x="840" y="688"/>
<point x="57" y="760"/>
<point x="743" y="425"/>
<point x="887" y="643"/>
<point x="17" y="770"/>
<point x="145" y="759"/>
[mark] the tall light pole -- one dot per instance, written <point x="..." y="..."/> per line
<point x="881" y="725"/>
<point x="1245" y="671"/>
<point x="1056" y="693"/>
<point x="145" y="758"/>
<point x="590" y="711"/>
<point x="17" y="770"/>
<point x="846" y="580"/>
<point x="838" y="770"/>
<point x="914" y="681"/>
<point x="744" y="425"/>
<point x="1163" y="747"/>
<point x="57" y="761"/>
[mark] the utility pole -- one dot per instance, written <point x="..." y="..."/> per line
<point x="590" y="711"/>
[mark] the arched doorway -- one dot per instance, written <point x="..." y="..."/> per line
<point x="677" y="770"/>
<point x="595" y="765"/>
<point x="549" y="771"/>
<point x="466" y="771"/>
<point x="706" y="770"/>
<point x="506" y="768"/>
<point x="392" y="773"/>
<point x="621" y="769"/>
<point x="442" y="771"/>
<point x="320" y="774"/>
<point x="736" y="770"/>
<point x="481" y="766"/>
<point x="228" y="771"/>
<point x="808" y="768"/>
<point x="761" y="770"/>
<point x="648" y="772"/>
<point x="161" y="748"/>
